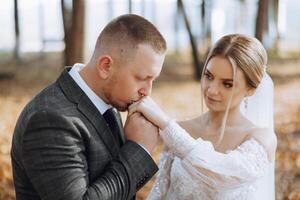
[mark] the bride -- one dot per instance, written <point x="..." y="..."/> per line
<point x="227" y="152"/>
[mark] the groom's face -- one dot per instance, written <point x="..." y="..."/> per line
<point x="132" y="79"/>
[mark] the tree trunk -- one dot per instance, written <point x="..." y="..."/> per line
<point x="176" y="29"/>
<point x="196" y="59"/>
<point x="17" y="31"/>
<point x="143" y="7"/>
<point x="73" y="22"/>
<point x="261" y="19"/>
<point x="275" y="10"/>
<point x="203" y="16"/>
<point x="129" y="6"/>
<point x="206" y="10"/>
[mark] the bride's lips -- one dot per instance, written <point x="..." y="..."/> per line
<point x="212" y="100"/>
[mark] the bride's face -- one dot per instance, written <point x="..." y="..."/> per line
<point x="218" y="85"/>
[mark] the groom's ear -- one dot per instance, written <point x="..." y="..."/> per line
<point x="103" y="66"/>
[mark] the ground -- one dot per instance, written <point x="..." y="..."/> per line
<point x="179" y="96"/>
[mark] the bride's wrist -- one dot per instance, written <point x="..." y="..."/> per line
<point x="164" y="122"/>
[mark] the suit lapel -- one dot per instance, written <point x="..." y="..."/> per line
<point x="87" y="108"/>
<point x="94" y="116"/>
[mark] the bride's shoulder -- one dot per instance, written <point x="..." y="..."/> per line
<point x="265" y="137"/>
<point x="193" y="126"/>
<point x="188" y="123"/>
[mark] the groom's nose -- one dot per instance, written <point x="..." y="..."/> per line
<point x="146" y="89"/>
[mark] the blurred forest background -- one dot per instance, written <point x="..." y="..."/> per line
<point x="38" y="38"/>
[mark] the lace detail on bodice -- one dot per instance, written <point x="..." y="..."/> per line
<point x="192" y="169"/>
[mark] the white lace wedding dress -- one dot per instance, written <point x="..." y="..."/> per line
<point x="192" y="169"/>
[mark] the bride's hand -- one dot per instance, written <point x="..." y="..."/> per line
<point x="151" y="111"/>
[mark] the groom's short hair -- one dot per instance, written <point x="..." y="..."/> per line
<point x="126" y="32"/>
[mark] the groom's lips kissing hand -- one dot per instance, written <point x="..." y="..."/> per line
<point x="132" y="102"/>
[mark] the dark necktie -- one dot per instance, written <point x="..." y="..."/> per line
<point x="111" y="118"/>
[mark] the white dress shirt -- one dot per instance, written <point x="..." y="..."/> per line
<point x="95" y="99"/>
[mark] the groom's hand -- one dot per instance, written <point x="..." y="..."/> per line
<point x="140" y="130"/>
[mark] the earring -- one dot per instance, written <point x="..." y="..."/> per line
<point x="246" y="102"/>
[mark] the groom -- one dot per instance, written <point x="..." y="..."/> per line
<point x="69" y="142"/>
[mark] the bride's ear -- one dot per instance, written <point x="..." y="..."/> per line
<point x="250" y="91"/>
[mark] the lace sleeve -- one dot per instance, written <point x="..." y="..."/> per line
<point x="245" y="164"/>
<point x="162" y="182"/>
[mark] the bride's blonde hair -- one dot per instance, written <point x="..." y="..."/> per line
<point x="244" y="52"/>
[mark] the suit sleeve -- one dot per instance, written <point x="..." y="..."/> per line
<point x="54" y="157"/>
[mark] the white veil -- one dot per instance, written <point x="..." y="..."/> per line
<point x="260" y="111"/>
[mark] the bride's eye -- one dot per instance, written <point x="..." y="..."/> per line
<point x="227" y="85"/>
<point x="208" y="76"/>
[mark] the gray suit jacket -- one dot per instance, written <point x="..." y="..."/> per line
<point x="62" y="148"/>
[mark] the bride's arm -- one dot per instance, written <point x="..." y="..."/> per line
<point x="245" y="164"/>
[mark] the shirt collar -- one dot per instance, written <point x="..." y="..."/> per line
<point x="96" y="100"/>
